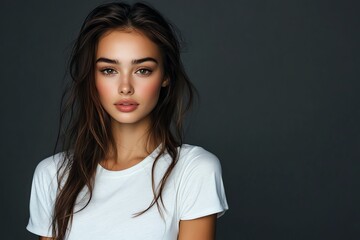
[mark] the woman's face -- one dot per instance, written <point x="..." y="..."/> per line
<point x="128" y="76"/>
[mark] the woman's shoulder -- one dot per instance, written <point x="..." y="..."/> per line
<point x="50" y="165"/>
<point x="200" y="189"/>
<point x="196" y="157"/>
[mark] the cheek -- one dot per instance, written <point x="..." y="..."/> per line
<point x="102" y="89"/>
<point x="151" y="91"/>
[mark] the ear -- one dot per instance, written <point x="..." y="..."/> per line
<point x="165" y="83"/>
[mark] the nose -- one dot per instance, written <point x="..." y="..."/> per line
<point x="125" y="87"/>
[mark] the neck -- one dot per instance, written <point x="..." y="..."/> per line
<point x="132" y="144"/>
<point x="128" y="136"/>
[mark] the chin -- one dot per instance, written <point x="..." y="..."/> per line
<point x="130" y="120"/>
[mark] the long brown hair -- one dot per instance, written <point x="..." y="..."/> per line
<point x="85" y="126"/>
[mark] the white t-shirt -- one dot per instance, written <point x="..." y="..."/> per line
<point x="194" y="189"/>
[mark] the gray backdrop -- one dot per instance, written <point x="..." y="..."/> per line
<point x="279" y="86"/>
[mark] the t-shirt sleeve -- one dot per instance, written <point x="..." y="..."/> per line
<point x="201" y="190"/>
<point x="43" y="191"/>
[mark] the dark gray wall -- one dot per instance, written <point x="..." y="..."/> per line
<point x="279" y="86"/>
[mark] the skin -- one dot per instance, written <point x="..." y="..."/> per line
<point x="129" y="67"/>
<point x="120" y="75"/>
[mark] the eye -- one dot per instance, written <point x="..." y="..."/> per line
<point x="108" y="71"/>
<point x="144" y="71"/>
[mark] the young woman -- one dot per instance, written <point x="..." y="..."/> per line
<point x="124" y="172"/>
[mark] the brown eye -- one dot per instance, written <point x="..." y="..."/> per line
<point x="108" y="71"/>
<point x="144" y="71"/>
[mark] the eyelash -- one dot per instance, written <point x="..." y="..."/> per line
<point x="148" y="71"/>
<point x="106" y="71"/>
<point x="110" y="71"/>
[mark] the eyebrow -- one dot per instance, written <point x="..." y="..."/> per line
<point x="135" y="61"/>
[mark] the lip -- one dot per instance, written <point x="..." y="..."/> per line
<point x="126" y="105"/>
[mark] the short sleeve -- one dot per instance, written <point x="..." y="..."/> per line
<point x="43" y="192"/>
<point x="201" y="190"/>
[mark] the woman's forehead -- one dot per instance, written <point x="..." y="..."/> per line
<point x="126" y="44"/>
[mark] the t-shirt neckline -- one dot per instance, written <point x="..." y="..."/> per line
<point x="103" y="172"/>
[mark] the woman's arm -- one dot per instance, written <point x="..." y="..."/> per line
<point x="198" y="229"/>
<point x="45" y="238"/>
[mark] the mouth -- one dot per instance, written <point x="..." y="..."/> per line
<point x="126" y="102"/>
<point x="126" y="105"/>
